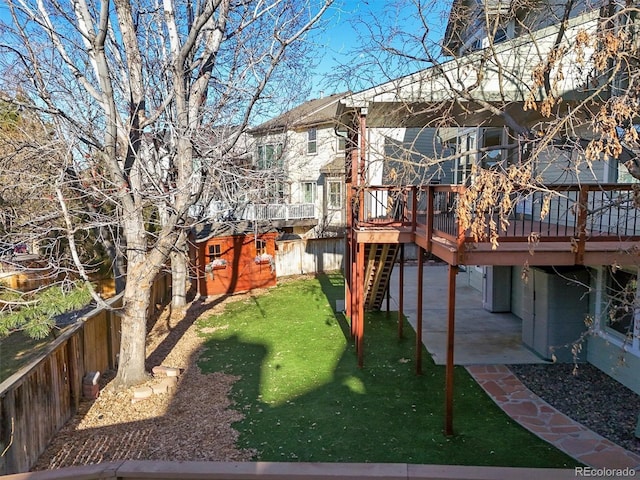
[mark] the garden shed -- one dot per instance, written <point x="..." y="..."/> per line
<point x="233" y="257"/>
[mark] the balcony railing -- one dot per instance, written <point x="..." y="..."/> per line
<point x="558" y="213"/>
<point x="277" y="211"/>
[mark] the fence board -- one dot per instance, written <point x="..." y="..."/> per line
<point x="37" y="400"/>
<point x="314" y="255"/>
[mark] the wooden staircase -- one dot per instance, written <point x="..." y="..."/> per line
<point x="380" y="258"/>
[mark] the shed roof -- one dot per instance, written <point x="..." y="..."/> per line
<point x="204" y="232"/>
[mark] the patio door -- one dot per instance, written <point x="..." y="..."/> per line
<point x="467" y="149"/>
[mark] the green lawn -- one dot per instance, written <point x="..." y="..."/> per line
<point x="304" y="398"/>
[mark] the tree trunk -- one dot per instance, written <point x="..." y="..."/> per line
<point x="142" y="267"/>
<point x="136" y="300"/>
<point x="118" y="264"/>
<point x="179" y="279"/>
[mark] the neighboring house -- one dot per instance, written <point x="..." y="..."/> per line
<point x="225" y="165"/>
<point x="285" y="176"/>
<point x="233" y="257"/>
<point x="303" y="153"/>
<point x="580" y="271"/>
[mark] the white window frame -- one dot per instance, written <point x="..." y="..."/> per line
<point x="314" y="191"/>
<point x="261" y="247"/>
<point x="214" y="251"/>
<point x="330" y="194"/>
<point x="602" y="312"/>
<point x="276" y="160"/>
<point x="467" y="146"/>
<point x="312" y="141"/>
<point x="341" y="145"/>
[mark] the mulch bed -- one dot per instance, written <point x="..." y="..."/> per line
<point x="194" y="422"/>
<point x="589" y="396"/>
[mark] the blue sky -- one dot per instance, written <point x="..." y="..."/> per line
<point x="342" y="28"/>
<point x="344" y="25"/>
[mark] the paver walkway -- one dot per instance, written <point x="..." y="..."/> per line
<point x="537" y="416"/>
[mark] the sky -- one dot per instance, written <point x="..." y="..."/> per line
<point x="344" y="26"/>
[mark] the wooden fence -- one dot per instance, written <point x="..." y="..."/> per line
<point x="314" y="255"/>
<point x="37" y="400"/>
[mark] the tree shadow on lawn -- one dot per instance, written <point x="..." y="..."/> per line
<point x="305" y="399"/>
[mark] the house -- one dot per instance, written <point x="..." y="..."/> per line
<point x="233" y="257"/>
<point x="288" y="177"/>
<point x="303" y="152"/>
<point x="226" y="158"/>
<point x="565" y="220"/>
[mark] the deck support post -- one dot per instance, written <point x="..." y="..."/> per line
<point x="348" y="261"/>
<point x="354" y="285"/>
<point x="388" y="298"/>
<point x="401" y="292"/>
<point x="451" y="313"/>
<point x="360" y="302"/>
<point x="419" y="313"/>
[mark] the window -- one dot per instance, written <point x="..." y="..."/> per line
<point x="334" y="197"/>
<point x="272" y="191"/>
<point x="492" y="138"/>
<point x="505" y="31"/>
<point x="214" y="252"/>
<point x="467" y="144"/>
<point x="312" y="141"/>
<point x="309" y="190"/>
<point x="269" y="156"/>
<point x="501" y="35"/>
<point x="261" y="247"/>
<point x="342" y="141"/>
<point x="621" y="293"/>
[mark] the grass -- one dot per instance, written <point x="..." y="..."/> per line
<point x="304" y="398"/>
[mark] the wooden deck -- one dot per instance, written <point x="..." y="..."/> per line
<point x="605" y="230"/>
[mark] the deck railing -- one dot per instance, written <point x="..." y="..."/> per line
<point x="605" y="212"/>
<point x="277" y="211"/>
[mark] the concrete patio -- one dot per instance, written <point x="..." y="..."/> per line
<point x="481" y="337"/>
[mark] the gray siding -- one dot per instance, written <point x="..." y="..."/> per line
<point x="559" y="168"/>
<point x="518" y="287"/>
<point x="415" y="159"/>
<point x="612" y="360"/>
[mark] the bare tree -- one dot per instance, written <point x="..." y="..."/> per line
<point x="121" y="80"/>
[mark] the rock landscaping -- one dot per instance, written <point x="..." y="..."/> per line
<point x="589" y="396"/>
